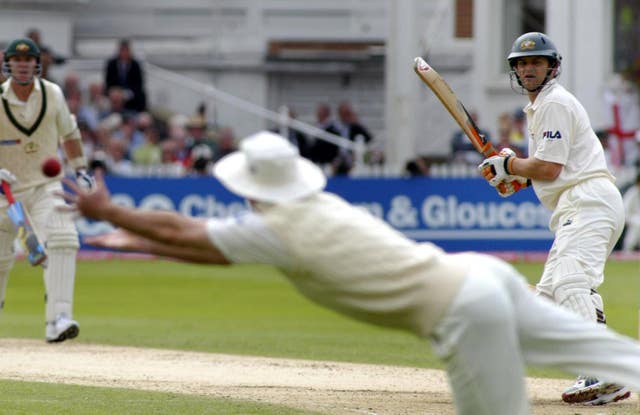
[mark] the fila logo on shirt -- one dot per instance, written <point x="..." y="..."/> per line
<point x="552" y="135"/>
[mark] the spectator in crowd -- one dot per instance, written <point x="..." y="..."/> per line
<point x="117" y="101"/>
<point x="462" y="150"/>
<point x="201" y="160"/>
<point x="149" y="152"/>
<point x="128" y="133"/>
<point x="518" y="136"/>
<point x="505" y="127"/>
<point x="225" y="143"/>
<point x="142" y="122"/>
<point x="54" y="58"/>
<point x="116" y="159"/>
<point x="295" y="137"/>
<point x="197" y="133"/>
<point x="323" y="152"/>
<point x="631" y="200"/>
<point x="349" y="127"/>
<point x="417" y="167"/>
<point x="71" y="85"/>
<point x="125" y="72"/>
<point x="89" y="139"/>
<point x="177" y="134"/>
<point x="97" y="106"/>
<point x="172" y="165"/>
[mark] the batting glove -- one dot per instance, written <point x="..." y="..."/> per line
<point x="85" y="180"/>
<point x="496" y="168"/>
<point x="511" y="185"/>
<point x="7" y="176"/>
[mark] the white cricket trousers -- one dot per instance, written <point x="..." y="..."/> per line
<point x="496" y="326"/>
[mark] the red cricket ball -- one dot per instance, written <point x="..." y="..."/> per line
<point x="51" y="167"/>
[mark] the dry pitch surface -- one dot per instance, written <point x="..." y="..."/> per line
<point x="326" y="387"/>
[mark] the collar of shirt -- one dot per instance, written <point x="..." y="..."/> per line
<point x="541" y="96"/>
<point x="10" y="96"/>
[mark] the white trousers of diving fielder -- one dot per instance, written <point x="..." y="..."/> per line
<point x="496" y="327"/>
<point x="58" y="232"/>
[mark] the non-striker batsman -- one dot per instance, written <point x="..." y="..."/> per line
<point x="34" y="122"/>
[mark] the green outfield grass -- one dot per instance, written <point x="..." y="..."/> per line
<point x="29" y="398"/>
<point x="250" y="310"/>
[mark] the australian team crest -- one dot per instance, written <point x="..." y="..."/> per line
<point x="527" y="44"/>
<point x="22" y="47"/>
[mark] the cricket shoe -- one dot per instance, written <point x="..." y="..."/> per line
<point x="619" y="393"/>
<point x="591" y="391"/>
<point x="63" y="328"/>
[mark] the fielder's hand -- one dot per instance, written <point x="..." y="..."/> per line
<point x="85" y="180"/>
<point x="495" y="169"/>
<point x="7" y="176"/>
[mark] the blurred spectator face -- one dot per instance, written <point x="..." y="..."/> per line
<point x="34" y="34"/>
<point x="73" y="102"/>
<point x="169" y="151"/>
<point x="226" y="140"/>
<point x="71" y="84"/>
<point x="95" y="90"/>
<point x="152" y="135"/>
<point x="45" y="61"/>
<point x="117" y="149"/>
<point x="346" y="113"/>
<point x="323" y="112"/>
<point x="124" y="51"/>
<point x="145" y="121"/>
<point x="116" y="99"/>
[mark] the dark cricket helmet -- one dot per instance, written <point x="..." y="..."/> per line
<point x="534" y="44"/>
<point x="23" y="46"/>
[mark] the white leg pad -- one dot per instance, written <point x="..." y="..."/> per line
<point x="571" y="289"/>
<point x="7" y="257"/>
<point x="59" y="275"/>
<point x="6" y="263"/>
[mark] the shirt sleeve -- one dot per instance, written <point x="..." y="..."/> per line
<point x="245" y="239"/>
<point x="65" y="121"/>
<point x="555" y="133"/>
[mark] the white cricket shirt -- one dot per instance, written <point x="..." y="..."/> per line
<point x="560" y="132"/>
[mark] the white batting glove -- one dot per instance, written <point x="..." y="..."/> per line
<point x="494" y="168"/>
<point x="85" y="180"/>
<point x="511" y="185"/>
<point x="7" y="176"/>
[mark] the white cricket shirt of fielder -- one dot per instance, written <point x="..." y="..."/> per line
<point x="347" y="260"/>
<point x="560" y="132"/>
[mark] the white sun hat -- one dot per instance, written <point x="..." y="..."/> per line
<point x="268" y="168"/>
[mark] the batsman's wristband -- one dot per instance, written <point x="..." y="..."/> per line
<point x="508" y="164"/>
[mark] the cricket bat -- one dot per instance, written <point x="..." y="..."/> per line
<point x="27" y="236"/>
<point x="448" y="98"/>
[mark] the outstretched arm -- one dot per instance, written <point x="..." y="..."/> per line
<point x="123" y="240"/>
<point x="173" y="234"/>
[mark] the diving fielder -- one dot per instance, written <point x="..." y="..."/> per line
<point x="479" y="314"/>
<point x="34" y="122"/>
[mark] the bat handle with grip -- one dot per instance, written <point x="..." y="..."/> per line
<point x="6" y="188"/>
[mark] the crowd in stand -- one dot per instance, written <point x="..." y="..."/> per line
<point x="123" y="135"/>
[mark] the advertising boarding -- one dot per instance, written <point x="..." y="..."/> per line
<point x="456" y="214"/>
